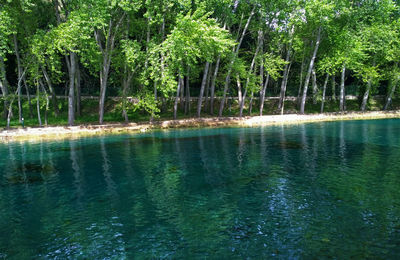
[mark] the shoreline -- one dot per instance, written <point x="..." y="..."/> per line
<point x="71" y="132"/>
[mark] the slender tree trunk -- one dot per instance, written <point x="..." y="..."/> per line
<point x="342" y="94"/>
<point x="4" y="94"/>
<point x="286" y="72"/>
<point x="324" y="92"/>
<point x="178" y="91"/>
<point x="4" y="86"/>
<point x="38" y="103"/>
<point x="126" y="84"/>
<point x="228" y="76"/>
<point x="182" y="95"/>
<point x="301" y="81"/>
<point x="261" y="65"/>
<point x="29" y="98"/>
<point x="253" y="62"/>
<point x="155" y="100"/>
<point x="311" y="66"/>
<point x="239" y="86"/>
<point x="213" y="85"/>
<point x="106" y="50"/>
<point x="203" y="85"/>
<point x="208" y="88"/>
<point x="315" y="86"/>
<point x="71" y="94"/>
<point x="262" y="95"/>
<point x="47" y="102"/>
<point x="242" y="103"/>
<point x="19" y="68"/>
<point x="283" y="86"/>
<point x="52" y="92"/>
<point x="9" y="114"/>
<point x="251" y="103"/>
<point x="391" y="93"/>
<point x="333" y="88"/>
<point x="78" y="89"/>
<point x="103" y="88"/>
<point x="187" y="103"/>
<point x="284" y="82"/>
<point x="124" y="101"/>
<point x="365" y="96"/>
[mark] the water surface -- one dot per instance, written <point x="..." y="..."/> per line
<point x="313" y="190"/>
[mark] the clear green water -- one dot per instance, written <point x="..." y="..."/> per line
<point x="314" y="190"/>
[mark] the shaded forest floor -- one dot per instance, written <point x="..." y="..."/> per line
<point x="113" y="111"/>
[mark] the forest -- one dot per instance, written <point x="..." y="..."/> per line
<point x="67" y="58"/>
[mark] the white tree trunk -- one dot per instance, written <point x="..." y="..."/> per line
<point x="228" y="76"/>
<point x="311" y="66"/>
<point x="342" y="94"/>
<point x="203" y="84"/>
<point x="324" y="92"/>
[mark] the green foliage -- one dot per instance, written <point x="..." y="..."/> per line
<point x="146" y="45"/>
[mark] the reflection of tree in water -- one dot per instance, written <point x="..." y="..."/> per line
<point x="297" y="191"/>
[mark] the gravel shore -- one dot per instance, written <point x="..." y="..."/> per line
<point x="61" y="132"/>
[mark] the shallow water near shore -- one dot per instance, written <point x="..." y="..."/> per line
<point x="296" y="191"/>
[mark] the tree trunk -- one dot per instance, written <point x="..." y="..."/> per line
<point x="213" y="85"/>
<point x="178" y="91"/>
<point x="228" y="76"/>
<point x="262" y="95"/>
<point x="253" y="62"/>
<point x="78" y="89"/>
<point x="126" y="84"/>
<point x="239" y="86"/>
<point x="324" y="92"/>
<point x="315" y="86"/>
<point x="301" y="81"/>
<point x="285" y="73"/>
<point x="203" y="85"/>
<point x="106" y="50"/>
<point x="38" y="103"/>
<point x="208" y="88"/>
<point x="71" y="94"/>
<point x="342" y="94"/>
<point x="261" y="64"/>
<point x="182" y="95"/>
<point x="311" y="66"/>
<point x="155" y="100"/>
<point x="52" y="92"/>
<point x="251" y="103"/>
<point x="187" y="103"/>
<point x="4" y="86"/>
<point x="29" y="98"/>
<point x="47" y="102"/>
<point x="242" y="103"/>
<point x="9" y="114"/>
<point x="19" y="69"/>
<point x="284" y="82"/>
<point x="333" y="88"/>
<point x="365" y="96"/>
<point x="391" y="93"/>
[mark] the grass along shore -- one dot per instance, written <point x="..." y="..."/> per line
<point x="62" y="132"/>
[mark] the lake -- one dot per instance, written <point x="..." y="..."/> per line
<point x="297" y="191"/>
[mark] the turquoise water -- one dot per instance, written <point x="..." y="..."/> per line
<point x="313" y="190"/>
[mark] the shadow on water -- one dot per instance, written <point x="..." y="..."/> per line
<point x="288" y="145"/>
<point x="29" y="173"/>
<point x="166" y="139"/>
